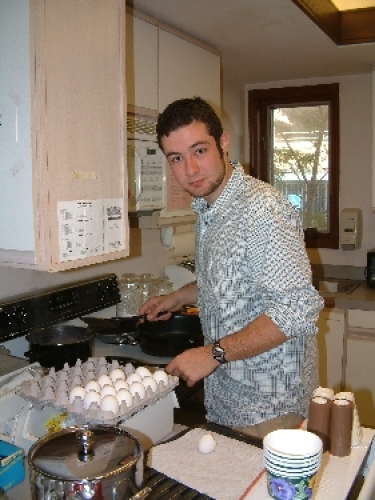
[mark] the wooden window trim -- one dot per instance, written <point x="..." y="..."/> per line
<point x="259" y="102"/>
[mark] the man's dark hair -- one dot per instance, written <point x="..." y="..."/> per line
<point x="186" y="111"/>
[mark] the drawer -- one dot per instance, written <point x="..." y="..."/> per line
<point x="357" y="318"/>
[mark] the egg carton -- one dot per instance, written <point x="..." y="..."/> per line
<point x="90" y="392"/>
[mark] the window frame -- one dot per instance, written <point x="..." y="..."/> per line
<point x="259" y="103"/>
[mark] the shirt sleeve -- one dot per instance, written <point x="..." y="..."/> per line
<point x="285" y="283"/>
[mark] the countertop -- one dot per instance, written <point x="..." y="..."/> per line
<point x="360" y="297"/>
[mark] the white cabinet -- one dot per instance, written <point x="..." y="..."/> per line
<point x="164" y="64"/>
<point x="331" y="327"/>
<point x="360" y="363"/>
<point x="141" y="63"/>
<point x="187" y="70"/>
<point x="65" y="67"/>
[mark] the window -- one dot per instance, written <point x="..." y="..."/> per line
<point x="294" y="145"/>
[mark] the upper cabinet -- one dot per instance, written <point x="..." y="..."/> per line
<point x="186" y="69"/>
<point x="164" y="64"/>
<point x="63" y="172"/>
<point x="141" y="63"/>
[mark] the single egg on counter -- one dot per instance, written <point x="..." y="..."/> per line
<point x="107" y="389"/>
<point x="150" y="382"/>
<point x="161" y="375"/>
<point x="76" y="392"/>
<point x="104" y="380"/>
<point x="137" y="388"/>
<point x="92" y="385"/>
<point x="133" y="377"/>
<point x="206" y="444"/>
<point x="117" y="374"/>
<point x="109" y="403"/>
<point x="124" y="395"/>
<point x="143" y="371"/>
<point x="91" y="397"/>
<point x="120" y="384"/>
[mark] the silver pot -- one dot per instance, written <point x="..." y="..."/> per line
<point x="88" y="462"/>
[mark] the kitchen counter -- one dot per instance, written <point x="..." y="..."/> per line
<point x="334" y="480"/>
<point x="357" y="297"/>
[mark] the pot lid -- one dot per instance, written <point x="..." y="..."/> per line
<point x="85" y="453"/>
<point x="59" y="335"/>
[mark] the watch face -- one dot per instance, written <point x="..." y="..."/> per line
<point x="218" y="353"/>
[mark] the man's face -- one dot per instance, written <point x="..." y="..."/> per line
<point x="195" y="160"/>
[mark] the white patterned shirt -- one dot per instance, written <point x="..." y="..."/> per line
<point x="251" y="260"/>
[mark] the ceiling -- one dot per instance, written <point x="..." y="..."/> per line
<point x="264" y="40"/>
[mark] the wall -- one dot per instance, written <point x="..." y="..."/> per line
<point x="148" y="256"/>
<point x="356" y="145"/>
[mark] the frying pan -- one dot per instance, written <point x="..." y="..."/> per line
<point x="172" y="336"/>
<point x="114" y="330"/>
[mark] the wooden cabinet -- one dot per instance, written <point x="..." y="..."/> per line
<point x="75" y="53"/>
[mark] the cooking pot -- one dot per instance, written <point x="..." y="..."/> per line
<point x="172" y="336"/>
<point x="56" y="345"/>
<point x="88" y="462"/>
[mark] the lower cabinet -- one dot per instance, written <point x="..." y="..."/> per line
<point x="331" y="327"/>
<point x="360" y="363"/>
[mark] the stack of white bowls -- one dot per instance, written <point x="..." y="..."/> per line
<point x="292" y="458"/>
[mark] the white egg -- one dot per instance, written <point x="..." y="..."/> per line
<point x="120" y="384"/>
<point x="76" y="392"/>
<point x="117" y="374"/>
<point x="107" y="390"/>
<point x="206" y="444"/>
<point x="104" y="380"/>
<point x="133" y="377"/>
<point x="161" y="375"/>
<point x="124" y="395"/>
<point x="137" y="388"/>
<point x="92" y="386"/>
<point x="150" y="382"/>
<point x="143" y="371"/>
<point x="91" y="397"/>
<point x="109" y="403"/>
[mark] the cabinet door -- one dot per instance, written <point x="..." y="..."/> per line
<point x="331" y="327"/>
<point x="78" y="109"/>
<point x="360" y="374"/>
<point x="187" y="70"/>
<point x="141" y="63"/>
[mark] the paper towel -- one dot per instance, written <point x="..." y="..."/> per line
<point x="178" y="244"/>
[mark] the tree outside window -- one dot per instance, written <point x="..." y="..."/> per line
<point x="294" y="146"/>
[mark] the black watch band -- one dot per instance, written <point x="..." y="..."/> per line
<point x="218" y="352"/>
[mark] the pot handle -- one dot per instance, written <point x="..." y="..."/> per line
<point x="143" y="493"/>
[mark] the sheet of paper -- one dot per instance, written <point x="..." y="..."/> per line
<point x="90" y="227"/>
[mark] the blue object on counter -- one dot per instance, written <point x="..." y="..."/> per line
<point x="12" y="470"/>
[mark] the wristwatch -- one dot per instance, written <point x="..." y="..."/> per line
<point x="218" y="352"/>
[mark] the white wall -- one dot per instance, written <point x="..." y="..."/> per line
<point x="356" y="146"/>
<point x="154" y="258"/>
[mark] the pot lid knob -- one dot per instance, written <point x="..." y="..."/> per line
<point x="85" y="441"/>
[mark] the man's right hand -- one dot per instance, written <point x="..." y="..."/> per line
<point x="162" y="307"/>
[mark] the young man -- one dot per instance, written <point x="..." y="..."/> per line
<point x="256" y="302"/>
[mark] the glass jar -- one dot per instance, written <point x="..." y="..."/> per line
<point x="130" y="298"/>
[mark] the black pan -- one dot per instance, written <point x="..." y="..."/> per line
<point x="170" y="337"/>
<point x="56" y="345"/>
<point x="112" y="325"/>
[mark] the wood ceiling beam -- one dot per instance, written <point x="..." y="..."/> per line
<point x="345" y="27"/>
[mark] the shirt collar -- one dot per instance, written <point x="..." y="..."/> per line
<point x="232" y="190"/>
